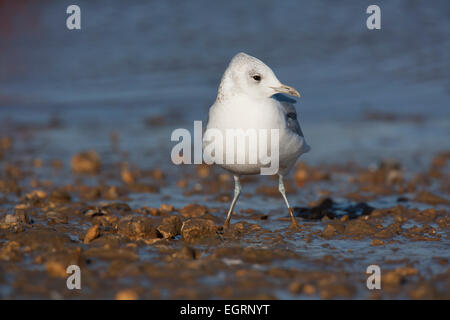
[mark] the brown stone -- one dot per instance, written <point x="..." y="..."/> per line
<point x="91" y="234"/>
<point x="127" y="176"/>
<point x="10" y="252"/>
<point x="56" y="269"/>
<point x="170" y="227"/>
<point x="359" y="227"/>
<point x="86" y="162"/>
<point x="57" y="217"/>
<point x="193" y="210"/>
<point x="127" y="294"/>
<point x="137" y="228"/>
<point x="377" y="242"/>
<point x="60" y="195"/>
<point x="166" y="207"/>
<point x="194" y="229"/>
<point x="430" y="198"/>
<point x="332" y="230"/>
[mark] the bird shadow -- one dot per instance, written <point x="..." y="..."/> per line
<point x="283" y="98"/>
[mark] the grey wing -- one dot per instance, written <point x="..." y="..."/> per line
<point x="291" y="114"/>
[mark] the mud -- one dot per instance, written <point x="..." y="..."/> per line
<point x="155" y="233"/>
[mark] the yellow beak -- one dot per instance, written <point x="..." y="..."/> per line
<point x="287" y="89"/>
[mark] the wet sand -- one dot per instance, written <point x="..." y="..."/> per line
<point x="155" y="233"/>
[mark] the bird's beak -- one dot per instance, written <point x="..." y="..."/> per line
<point x="287" y="89"/>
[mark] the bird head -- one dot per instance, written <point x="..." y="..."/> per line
<point x="249" y="75"/>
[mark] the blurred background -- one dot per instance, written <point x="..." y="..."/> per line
<point x="141" y="69"/>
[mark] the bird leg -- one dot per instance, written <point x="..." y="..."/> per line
<point x="294" y="223"/>
<point x="237" y="192"/>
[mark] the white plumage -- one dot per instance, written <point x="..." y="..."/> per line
<point x="250" y="97"/>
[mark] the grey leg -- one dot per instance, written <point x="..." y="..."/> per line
<point x="237" y="192"/>
<point x="283" y="193"/>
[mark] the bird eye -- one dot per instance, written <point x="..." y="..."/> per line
<point x="256" y="77"/>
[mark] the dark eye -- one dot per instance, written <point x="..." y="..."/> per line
<point x="256" y="77"/>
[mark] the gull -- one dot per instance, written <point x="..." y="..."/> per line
<point x="250" y="96"/>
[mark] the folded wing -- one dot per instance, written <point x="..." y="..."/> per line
<point x="291" y="114"/>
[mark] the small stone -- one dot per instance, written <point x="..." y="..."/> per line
<point x="36" y="194"/>
<point x="203" y="170"/>
<point x="154" y="211"/>
<point x="57" y="217"/>
<point x="56" y="164"/>
<point x="332" y="230"/>
<point x="194" y="229"/>
<point x="112" y="193"/>
<point x="377" y="242"/>
<point x="157" y="174"/>
<point x="166" y="207"/>
<point x="193" y="210"/>
<point x="309" y="289"/>
<point x="10" y="252"/>
<point x="407" y="271"/>
<point x="359" y="227"/>
<point x="91" y="234"/>
<point x="430" y="198"/>
<point x="22" y="216"/>
<point x="10" y="219"/>
<point x="86" y="162"/>
<point x="170" y="227"/>
<point x="60" y="195"/>
<point x="428" y="214"/>
<point x="127" y="294"/>
<point x="188" y="253"/>
<point x="137" y="228"/>
<point x="95" y="212"/>
<point x="377" y="213"/>
<point x="391" y="278"/>
<point x="56" y="269"/>
<point x="21" y="206"/>
<point x="295" y="287"/>
<point x="183" y="183"/>
<point x="38" y="163"/>
<point x="423" y="291"/>
<point x="6" y="143"/>
<point x="127" y="176"/>
<point x="149" y="210"/>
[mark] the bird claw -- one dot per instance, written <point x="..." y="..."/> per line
<point x="295" y="226"/>
<point x="226" y="226"/>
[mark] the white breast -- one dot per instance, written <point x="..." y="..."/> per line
<point x="242" y="112"/>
